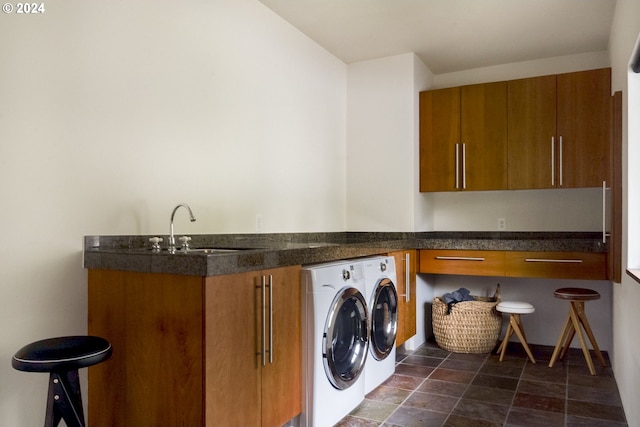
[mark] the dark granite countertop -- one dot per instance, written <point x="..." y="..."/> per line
<point x="250" y="252"/>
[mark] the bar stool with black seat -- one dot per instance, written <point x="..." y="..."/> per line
<point x="62" y="357"/>
<point x="576" y="322"/>
<point x="515" y="309"/>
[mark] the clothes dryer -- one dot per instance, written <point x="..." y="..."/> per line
<point x="335" y="341"/>
<point x="382" y="300"/>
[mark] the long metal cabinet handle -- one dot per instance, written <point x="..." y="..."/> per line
<point x="566" y="261"/>
<point x="553" y="161"/>
<point x="560" y="158"/>
<point x="459" y="258"/>
<point x="457" y="167"/>
<point x="407" y="277"/>
<point x="464" y="166"/>
<point x="270" y="318"/>
<point x="604" y="212"/>
<point x="264" y="320"/>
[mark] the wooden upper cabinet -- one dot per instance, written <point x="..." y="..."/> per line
<point x="584" y="128"/>
<point x="531" y="129"/>
<point x="483" y="122"/>
<point x="463" y="138"/>
<point x="559" y="129"/>
<point x="439" y="136"/>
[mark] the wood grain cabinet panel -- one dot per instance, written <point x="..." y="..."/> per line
<point x="254" y="348"/>
<point x="439" y="139"/>
<point x="475" y="263"/>
<point x="584" y="128"/>
<point x="463" y="138"/>
<point x="557" y="265"/>
<point x="406" y="268"/>
<point x="196" y="351"/>
<point x="559" y="130"/>
<point x="531" y="132"/>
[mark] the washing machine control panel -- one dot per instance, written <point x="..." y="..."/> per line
<point x="354" y="272"/>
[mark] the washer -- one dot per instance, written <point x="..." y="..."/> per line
<point x="382" y="300"/>
<point x="335" y="341"/>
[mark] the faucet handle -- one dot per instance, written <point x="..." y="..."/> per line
<point x="155" y="243"/>
<point x="185" y="242"/>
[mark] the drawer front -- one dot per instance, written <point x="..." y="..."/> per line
<point x="474" y="263"/>
<point x="557" y="265"/>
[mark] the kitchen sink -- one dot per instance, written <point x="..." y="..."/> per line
<point x="210" y="250"/>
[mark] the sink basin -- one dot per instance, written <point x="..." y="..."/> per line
<point x="210" y="250"/>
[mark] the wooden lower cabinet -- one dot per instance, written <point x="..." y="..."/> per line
<point x="551" y="265"/>
<point x="406" y="268"/>
<point x="188" y="350"/>
<point x="254" y="348"/>
<point x="557" y="265"/>
<point x="476" y="263"/>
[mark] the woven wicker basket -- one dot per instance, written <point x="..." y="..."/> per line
<point x="471" y="327"/>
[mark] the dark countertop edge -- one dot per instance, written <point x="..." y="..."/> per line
<point x="264" y="251"/>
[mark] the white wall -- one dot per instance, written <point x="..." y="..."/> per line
<point x="113" y="112"/>
<point x="626" y="295"/>
<point x="382" y="135"/>
<point x="523" y="210"/>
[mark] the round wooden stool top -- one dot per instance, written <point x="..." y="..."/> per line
<point x="576" y="294"/>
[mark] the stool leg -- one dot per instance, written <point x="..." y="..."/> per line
<point x="571" y="332"/>
<point x="64" y="400"/>
<point x="505" y="341"/>
<point x="583" y="343"/>
<point x="566" y="330"/>
<point x="587" y="328"/>
<point x="517" y="327"/>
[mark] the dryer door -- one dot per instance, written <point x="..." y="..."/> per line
<point x="345" y="341"/>
<point x="384" y="319"/>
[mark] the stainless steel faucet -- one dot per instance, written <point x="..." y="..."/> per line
<point x="172" y="239"/>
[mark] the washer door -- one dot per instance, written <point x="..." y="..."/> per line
<point x="345" y="341"/>
<point x="384" y="319"/>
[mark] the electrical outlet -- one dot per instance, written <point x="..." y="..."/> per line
<point x="502" y="224"/>
<point x="259" y="220"/>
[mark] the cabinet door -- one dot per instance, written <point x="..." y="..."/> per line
<point x="531" y="132"/>
<point x="155" y="325"/>
<point x="557" y="265"/>
<point x="439" y="136"/>
<point x="584" y="128"/>
<point x="281" y="377"/>
<point x="483" y="121"/>
<point x="233" y="349"/>
<point x="464" y="262"/>
<point x="253" y="348"/>
<point x="406" y="265"/>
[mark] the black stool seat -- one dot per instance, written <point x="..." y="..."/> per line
<point x="61" y="354"/>
<point x="62" y="357"/>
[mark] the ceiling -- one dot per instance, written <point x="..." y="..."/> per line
<point x="452" y="35"/>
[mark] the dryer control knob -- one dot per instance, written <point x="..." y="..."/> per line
<point x="346" y="275"/>
<point x="383" y="266"/>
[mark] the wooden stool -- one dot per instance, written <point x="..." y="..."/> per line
<point x="576" y="321"/>
<point x="62" y="357"/>
<point x="515" y="309"/>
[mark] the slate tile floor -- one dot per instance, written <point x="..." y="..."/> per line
<point x="433" y="387"/>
